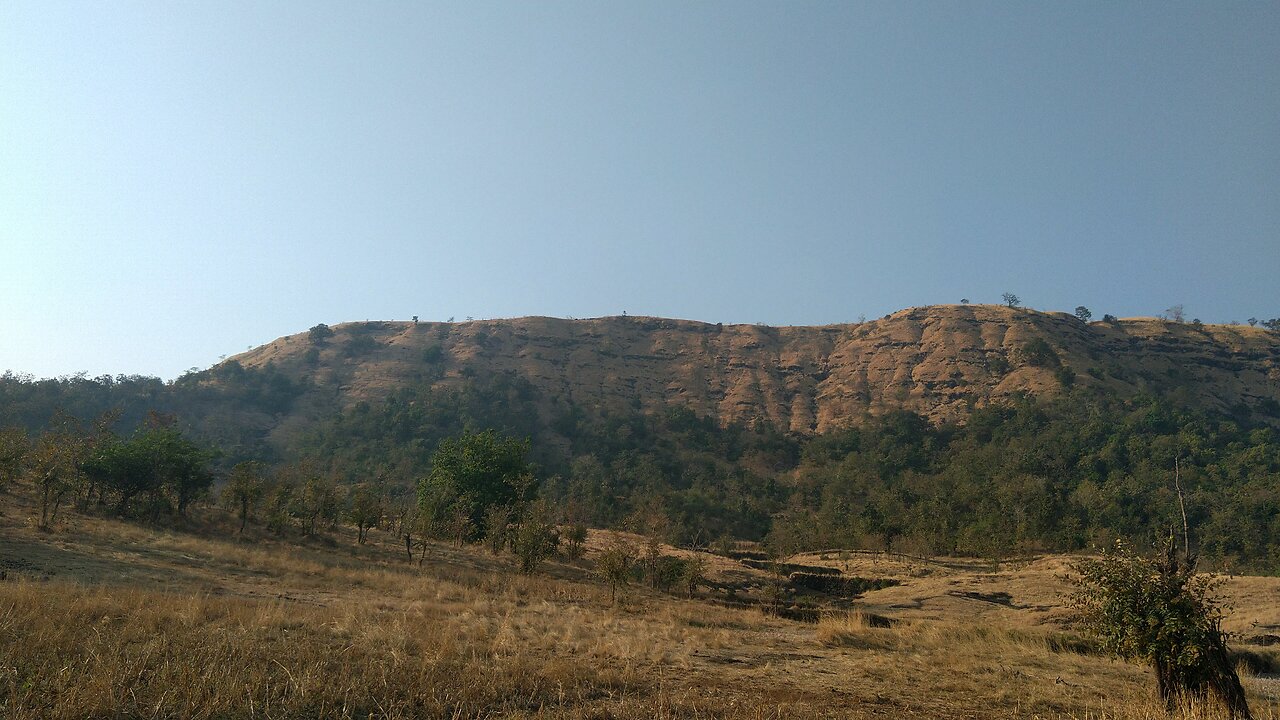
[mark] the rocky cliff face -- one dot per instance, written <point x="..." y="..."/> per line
<point x="940" y="361"/>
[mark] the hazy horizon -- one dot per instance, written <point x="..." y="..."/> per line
<point x="182" y="183"/>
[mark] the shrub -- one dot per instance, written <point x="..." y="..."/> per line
<point x="319" y="334"/>
<point x="1040" y="353"/>
<point x="536" y="539"/>
<point x="1066" y="376"/>
<point x="693" y="573"/>
<point x="614" y="566"/>
<point x="1160" y="611"/>
<point x="358" y="346"/>
<point x="847" y="587"/>
<point x="576" y="540"/>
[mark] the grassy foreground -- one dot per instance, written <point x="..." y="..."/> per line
<point x="105" y="619"/>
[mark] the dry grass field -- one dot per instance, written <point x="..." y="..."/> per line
<point x="100" y="618"/>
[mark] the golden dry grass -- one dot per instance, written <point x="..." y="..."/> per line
<point x="147" y="623"/>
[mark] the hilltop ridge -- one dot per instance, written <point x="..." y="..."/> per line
<point x="940" y="361"/>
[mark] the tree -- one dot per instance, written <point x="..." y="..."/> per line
<point x="183" y="466"/>
<point x="14" y="446"/>
<point x="613" y="565"/>
<point x="1083" y="314"/>
<point x="1253" y="321"/>
<point x="319" y="334"/>
<point x="54" y="465"/>
<point x="1160" y="611"/>
<point x="693" y="572"/>
<point x="280" y="501"/>
<point x="1011" y="300"/>
<point x="1109" y="318"/>
<point x="245" y="488"/>
<point x="536" y="538"/>
<point x="1177" y="313"/>
<point x="1273" y="324"/>
<point x="365" y="510"/>
<point x="156" y="460"/>
<point x="157" y="463"/>
<point x="121" y="468"/>
<point x="485" y="468"/>
<point x="409" y="525"/>
<point x="575" y="539"/>
<point x="316" y="498"/>
<point x="496" y="532"/>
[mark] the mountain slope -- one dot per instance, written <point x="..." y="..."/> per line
<point x="939" y="361"/>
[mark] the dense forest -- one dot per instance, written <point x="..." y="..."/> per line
<point x="1028" y="475"/>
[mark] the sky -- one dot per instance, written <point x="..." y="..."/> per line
<point x="184" y="180"/>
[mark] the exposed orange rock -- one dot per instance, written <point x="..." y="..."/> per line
<point x="940" y="361"/>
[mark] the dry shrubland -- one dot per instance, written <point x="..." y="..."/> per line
<point x="105" y="619"/>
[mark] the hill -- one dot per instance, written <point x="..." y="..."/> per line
<point x="941" y="362"/>
<point x="974" y="430"/>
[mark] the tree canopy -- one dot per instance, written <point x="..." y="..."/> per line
<point x="475" y="471"/>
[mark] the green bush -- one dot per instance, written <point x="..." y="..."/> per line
<point x="1161" y="612"/>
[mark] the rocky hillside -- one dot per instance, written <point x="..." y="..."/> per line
<point x="939" y="361"/>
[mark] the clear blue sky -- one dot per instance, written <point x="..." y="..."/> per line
<point x="184" y="180"/>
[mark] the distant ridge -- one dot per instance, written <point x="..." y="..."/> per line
<point x="940" y="361"/>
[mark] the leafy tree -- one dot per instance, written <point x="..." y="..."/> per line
<point x="1039" y="353"/>
<point x="497" y="518"/>
<point x="1159" y="611"/>
<point x="1109" y="318"/>
<point x="53" y="463"/>
<point x="14" y="446"/>
<point x="536" y="539"/>
<point x="280" y="501"/>
<point x="157" y="463"/>
<point x="1273" y="324"/>
<point x="458" y="525"/>
<point x="693" y="571"/>
<point x="245" y="488"/>
<point x="432" y="354"/>
<point x="359" y="345"/>
<point x="364" y="510"/>
<point x="183" y="466"/>
<point x="316" y="499"/>
<point x="575" y="541"/>
<point x="319" y="334"/>
<point x="1011" y="300"/>
<point x="485" y="468"/>
<point x="1253" y="321"/>
<point x="1083" y="314"/>
<point x="613" y="565"/>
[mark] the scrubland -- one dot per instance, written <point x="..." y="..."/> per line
<point x="100" y="618"/>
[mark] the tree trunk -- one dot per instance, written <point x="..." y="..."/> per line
<point x="1225" y="683"/>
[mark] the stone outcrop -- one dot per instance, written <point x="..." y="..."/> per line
<point x="940" y="361"/>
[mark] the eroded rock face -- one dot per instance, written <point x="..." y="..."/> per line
<point x="940" y="361"/>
